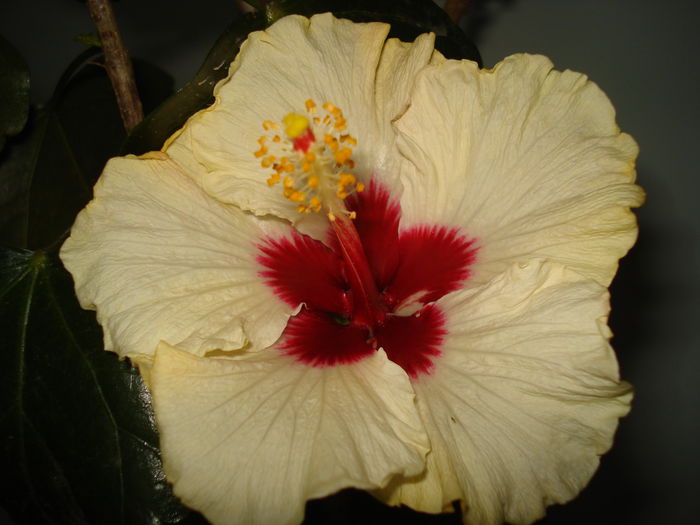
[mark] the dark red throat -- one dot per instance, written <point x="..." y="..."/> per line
<point x="369" y="286"/>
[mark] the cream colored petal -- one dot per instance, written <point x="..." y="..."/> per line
<point x="249" y="440"/>
<point x="161" y="260"/>
<point x="524" y="399"/>
<point x="325" y="59"/>
<point x="526" y="159"/>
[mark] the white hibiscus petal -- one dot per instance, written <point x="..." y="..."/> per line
<point x="161" y="260"/>
<point x="250" y="440"/>
<point x="524" y="399"/>
<point x="325" y="59"/>
<point x="526" y="159"/>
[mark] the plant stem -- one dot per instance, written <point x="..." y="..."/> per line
<point x="455" y="9"/>
<point x="117" y="63"/>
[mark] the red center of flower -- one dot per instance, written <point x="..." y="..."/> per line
<point x="370" y="286"/>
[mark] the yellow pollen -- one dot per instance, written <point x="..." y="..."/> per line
<point x="310" y="156"/>
<point x="329" y="107"/>
<point x="313" y="182"/>
<point x="268" y="125"/>
<point x="359" y="188"/>
<point x="342" y="156"/>
<point x="306" y="166"/>
<point x="346" y="179"/>
<point x="315" y="204"/>
<point x="330" y="141"/>
<point x="288" y="182"/>
<point x="276" y="138"/>
<point x="297" y="196"/>
<point x="295" y="125"/>
<point x="261" y="152"/>
<point x="267" y="161"/>
<point x="274" y="179"/>
<point x="310" y="106"/>
<point x="349" y="139"/>
<point x="302" y="209"/>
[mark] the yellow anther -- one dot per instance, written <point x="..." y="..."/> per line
<point x="360" y="187"/>
<point x="342" y="194"/>
<point x="331" y="142"/>
<point x="310" y="156"/>
<point x="288" y="182"/>
<point x="268" y="125"/>
<point x="297" y="196"/>
<point x="267" y="161"/>
<point x="315" y="204"/>
<point x="262" y="140"/>
<point x="340" y="124"/>
<point x="274" y="179"/>
<point x="346" y="179"/>
<point x="262" y="151"/>
<point x="310" y="106"/>
<point x="276" y="138"/>
<point x="317" y="120"/>
<point x="295" y="125"/>
<point x="349" y="139"/>
<point x="302" y="209"/>
<point x="313" y="181"/>
<point x="306" y="167"/>
<point x="329" y="107"/>
<point x="342" y="155"/>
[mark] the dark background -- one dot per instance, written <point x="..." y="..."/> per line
<point x="644" y="54"/>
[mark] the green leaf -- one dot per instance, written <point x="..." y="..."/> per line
<point x="78" y="442"/>
<point x="48" y="172"/>
<point x="88" y="39"/>
<point x="14" y="91"/>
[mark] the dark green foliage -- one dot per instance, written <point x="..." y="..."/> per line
<point x="14" y="91"/>
<point x="77" y="438"/>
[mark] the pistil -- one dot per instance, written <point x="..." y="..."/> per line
<point x="313" y="161"/>
<point x="369" y="308"/>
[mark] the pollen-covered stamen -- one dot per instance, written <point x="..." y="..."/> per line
<point x="312" y="160"/>
<point x="312" y="157"/>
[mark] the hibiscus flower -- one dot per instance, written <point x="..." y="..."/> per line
<point x="369" y="266"/>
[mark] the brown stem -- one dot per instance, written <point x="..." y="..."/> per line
<point x="455" y="9"/>
<point x="117" y="63"/>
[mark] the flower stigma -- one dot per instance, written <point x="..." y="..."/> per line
<point x="311" y="159"/>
